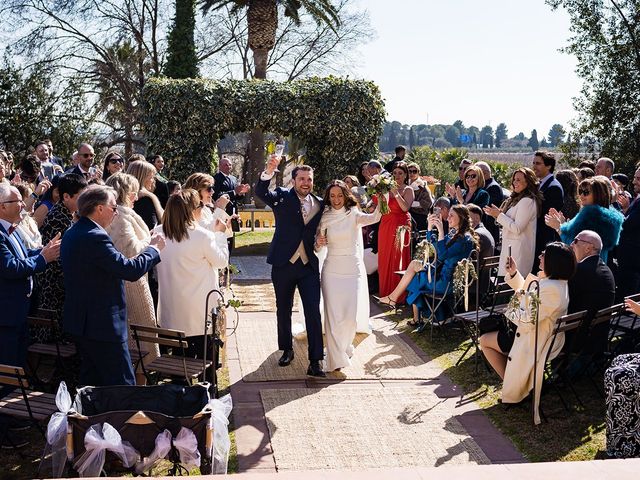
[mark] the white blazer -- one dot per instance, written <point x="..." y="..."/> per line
<point x="188" y="271"/>
<point x="519" y="232"/>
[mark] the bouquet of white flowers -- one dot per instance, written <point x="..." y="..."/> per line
<point x="380" y="185"/>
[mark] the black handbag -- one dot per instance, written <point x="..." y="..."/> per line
<point x="492" y="323"/>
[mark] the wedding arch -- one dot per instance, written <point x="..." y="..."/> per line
<point x="337" y="120"/>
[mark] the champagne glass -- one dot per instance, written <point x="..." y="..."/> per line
<point x="275" y="149"/>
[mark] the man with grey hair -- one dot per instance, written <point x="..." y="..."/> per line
<point x="442" y="205"/>
<point x="91" y="264"/>
<point x="17" y="268"/>
<point x="591" y="288"/>
<point x="605" y="167"/>
<point x="496" y="197"/>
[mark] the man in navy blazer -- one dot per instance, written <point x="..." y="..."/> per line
<point x="553" y="197"/>
<point x="17" y="268"/>
<point x="292" y="257"/>
<point x="94" y="306"/>
<point x="628" y="273"/>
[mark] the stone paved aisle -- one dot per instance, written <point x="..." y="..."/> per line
<point x="393" y="408"/>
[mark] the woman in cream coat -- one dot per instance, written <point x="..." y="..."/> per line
<point x="189" y="268"/>
<point x="131" y="236"/>
<point x="518" y="216"/>
<point x="511" y="353"/>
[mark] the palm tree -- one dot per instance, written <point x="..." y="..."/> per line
<point x="262" y="20"/>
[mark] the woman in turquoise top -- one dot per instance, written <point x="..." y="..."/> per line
<point x="596" y="214"/>
<point x="450" y="248"/>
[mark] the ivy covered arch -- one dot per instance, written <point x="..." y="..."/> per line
<point x="338" y="120"/>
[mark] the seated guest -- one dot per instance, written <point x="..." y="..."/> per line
<point x="189" y="269"/>
<point x="131" y="236"/>
<point x="596" y="214"/>
<point x="422" y="197"/>
<point x="496" y="197"/>
<point x="57" y="221"/>
<point x="485" y="239"/>
<point x="442" y="206"/>
<point x="592" y="288"/>
<point x="94" y="273"/>
<point x="451" y="248"/>
<point x="473" y="191"/>
<point x="511" y="353"/>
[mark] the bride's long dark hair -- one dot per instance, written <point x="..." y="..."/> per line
<point x="349" y="199"/>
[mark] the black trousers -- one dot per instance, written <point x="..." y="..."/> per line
<point x="285" y="280"/>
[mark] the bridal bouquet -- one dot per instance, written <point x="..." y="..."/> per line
<point x="380" y="185"/>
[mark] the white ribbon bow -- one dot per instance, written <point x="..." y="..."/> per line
<point x="99" y="439"/>
<point x="57" y="432"/>
<point x="219" y="423"/>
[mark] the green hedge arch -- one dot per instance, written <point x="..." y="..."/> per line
<point x="338" y="120"/>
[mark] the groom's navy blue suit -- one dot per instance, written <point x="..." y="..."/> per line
<point x="286" y="276"/>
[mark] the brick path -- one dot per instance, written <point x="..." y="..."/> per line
<point x="254" y="447"/>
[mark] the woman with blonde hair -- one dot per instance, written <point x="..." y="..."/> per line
<point x="147" y="206"/>
<point x="131" y="236"/>
<point x="473" y="191"/>
<point x="189" y="268"/>
<point x="518" y="217"/>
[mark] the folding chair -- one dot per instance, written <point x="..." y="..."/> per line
<point x="24" y="403"/>
<point x="170" y="365"/>
<point x="624" y="333"/>
<point x="62" y="353"/>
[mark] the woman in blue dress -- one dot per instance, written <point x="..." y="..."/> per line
<point x="450" y="249"/>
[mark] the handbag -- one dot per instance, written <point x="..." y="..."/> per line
<point x="492" y="323"/>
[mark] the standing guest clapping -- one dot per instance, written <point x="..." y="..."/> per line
<point x="94" y="273"/>
<point x="131" y="236"/>
<point x="518" y="217"/>
<point x="391" y="258"/>
<point x="17" y="268"/>
<point x="473" y="191"/>
<point x="189" y="268"/>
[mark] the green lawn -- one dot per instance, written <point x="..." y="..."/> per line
<point x="253" y="243"/>
<point x="575" y="435"/>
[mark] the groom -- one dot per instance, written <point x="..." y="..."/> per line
<point x="294" y="264"/>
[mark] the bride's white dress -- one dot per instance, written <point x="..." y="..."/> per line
<point x="345" y="291"/>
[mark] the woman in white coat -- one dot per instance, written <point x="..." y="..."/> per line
<point x="211" y="212"/>
<point x="511" y="351"/>
<point x="189" y="268"/>
<point x="131" y="236"/>
<point x="518" y="216"/>
<point x="344" y="280"/>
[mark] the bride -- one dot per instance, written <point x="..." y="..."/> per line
<point x="344" y="280"/>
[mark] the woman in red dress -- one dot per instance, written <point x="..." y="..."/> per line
<point x="400" y="200"/>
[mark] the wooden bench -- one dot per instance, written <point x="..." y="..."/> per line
<point x="170" y="365"/>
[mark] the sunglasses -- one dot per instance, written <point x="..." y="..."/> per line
<point x="576" y="240"/>
<point x="473" y="175"/>
<point x="116" y="160"/>
<point x="413" y="170"/>
<point x="210" y="188"/>
<point x="87" y="155"/>
<point x="584" y="191"/>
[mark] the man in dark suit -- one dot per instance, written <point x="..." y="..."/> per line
<point x="17" y="268"/>
<point x="226" y="184"/>
<point x="85" y="167"/>
<point x="591" y="288"/>
<point x="94" y="306"/>
<point x="628" y="252"/>
<point x="400" y="152"/>
<point x="543" y="165"/>
<point x="294" y="263"/>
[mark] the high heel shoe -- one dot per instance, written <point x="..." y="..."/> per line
<point x="386" y="301"/>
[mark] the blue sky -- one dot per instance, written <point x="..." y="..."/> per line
<point x="483" y="62"/>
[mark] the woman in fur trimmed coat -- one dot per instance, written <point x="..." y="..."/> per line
<point x="596" y="214"/>
<point x="131" y="236"/>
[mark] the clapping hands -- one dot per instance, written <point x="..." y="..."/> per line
<point x="51" y="251"/>
<point x="554" y="219"/>
<point x="492" y="211"/>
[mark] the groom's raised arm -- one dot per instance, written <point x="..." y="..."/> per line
<point x="262" y="185"/>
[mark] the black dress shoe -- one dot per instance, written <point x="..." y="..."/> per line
<point x="315" y="370"/>
<point x="286" y="358"/>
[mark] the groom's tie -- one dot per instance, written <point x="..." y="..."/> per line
<point x="303" y="208"/>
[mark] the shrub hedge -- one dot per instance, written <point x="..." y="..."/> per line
<point x="338" y="120"/>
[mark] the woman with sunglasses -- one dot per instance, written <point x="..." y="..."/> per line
<point x="596" y="214"/>
<point x="204" y="184"/>
<point x="510" y="350"/>
<point x="113" y="163"/>
<point x="518" y="216"/>
<point x="473" y="191"/>
<point x="189" y="268"/>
